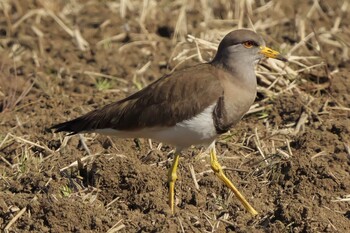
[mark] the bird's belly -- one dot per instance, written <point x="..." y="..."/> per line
<point x="184" y="135"/>
<point x="199" y="130"/>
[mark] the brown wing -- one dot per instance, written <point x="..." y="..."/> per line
<point x="165" y="102"/>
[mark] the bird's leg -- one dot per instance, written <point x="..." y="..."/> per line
<point x="171" y="180"/>
<point x="220" y="173"/>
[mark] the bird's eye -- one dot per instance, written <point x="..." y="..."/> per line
<point x="248" y="44"/>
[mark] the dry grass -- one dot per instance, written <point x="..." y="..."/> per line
<point x="263" y="149"/>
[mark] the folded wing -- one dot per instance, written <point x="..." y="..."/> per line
<point x="167" y="101"/>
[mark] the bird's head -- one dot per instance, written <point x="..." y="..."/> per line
<point x="243" y="47"/>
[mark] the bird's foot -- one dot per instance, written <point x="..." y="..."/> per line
<point x="220" y="173"/>
<point x="172" y="177"/>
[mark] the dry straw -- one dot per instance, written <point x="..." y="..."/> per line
<point x="263" y="148"/>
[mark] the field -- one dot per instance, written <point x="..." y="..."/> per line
<point x="289" y="156"/>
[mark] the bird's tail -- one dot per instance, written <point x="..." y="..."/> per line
<point x="73" y="126"/>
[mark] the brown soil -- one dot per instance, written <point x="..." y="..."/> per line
<point x="302" y="185"/>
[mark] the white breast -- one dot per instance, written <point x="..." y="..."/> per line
<point x="198" y="130"/>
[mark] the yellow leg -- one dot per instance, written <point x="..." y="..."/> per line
<point x="171" y="180"/>
<point x="220" y="173"/>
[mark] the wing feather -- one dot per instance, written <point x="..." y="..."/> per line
<point x="171" y="99"/>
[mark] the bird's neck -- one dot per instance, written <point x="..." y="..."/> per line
<point x="241" y="71"/>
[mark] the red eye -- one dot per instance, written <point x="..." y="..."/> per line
<point x="248" y="44"/>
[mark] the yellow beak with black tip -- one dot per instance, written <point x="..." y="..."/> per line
<point x="271" y="53"/>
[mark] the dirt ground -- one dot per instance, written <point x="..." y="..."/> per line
<point x="290" y="155"/>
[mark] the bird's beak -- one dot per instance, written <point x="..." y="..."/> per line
<point x="271" y="53"/>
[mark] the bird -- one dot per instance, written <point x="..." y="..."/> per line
<point x="191" y="106"/>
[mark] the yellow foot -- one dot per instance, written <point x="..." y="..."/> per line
<point x="171" y="180"/>
<point x="220" y="173"/>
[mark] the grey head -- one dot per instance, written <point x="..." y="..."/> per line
<point x="241" y="49"/>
